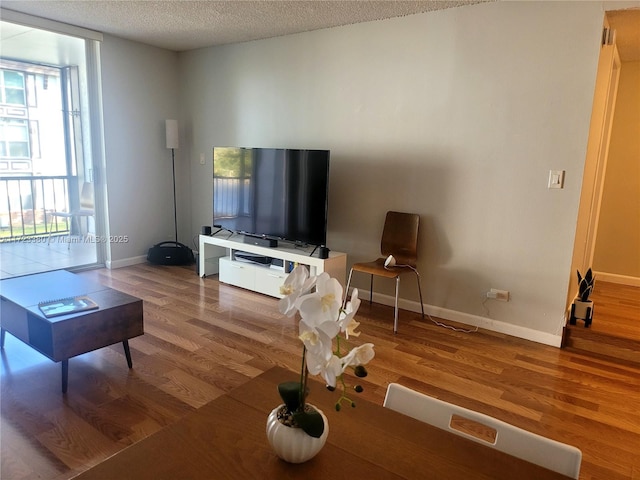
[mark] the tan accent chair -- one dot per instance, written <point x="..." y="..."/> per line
<point x="400" y="241"/>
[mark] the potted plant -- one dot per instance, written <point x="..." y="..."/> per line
<point x="582" y="307"/>
<point x="296" y="429"/>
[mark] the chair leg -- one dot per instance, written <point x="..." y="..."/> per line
<point x="395" y="313"/>
<point x="420" y="292"/>
<point x="76" y="220"/>
<point x="69" y="236"/>
<point x="371" y="290"/>
<point x="53" y="217"/>
<point x="346" y="290"/>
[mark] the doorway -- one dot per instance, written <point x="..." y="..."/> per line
<point x="608" y="229"/>
<point x="48" y="85"/>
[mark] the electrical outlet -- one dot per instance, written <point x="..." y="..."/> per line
<point x="502" y="295"/>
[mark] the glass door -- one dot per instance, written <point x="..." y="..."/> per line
<point x="50" y="209"/>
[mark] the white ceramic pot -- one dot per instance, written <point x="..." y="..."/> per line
<point x="583" y="310"/>
<point x="292" y="444"/>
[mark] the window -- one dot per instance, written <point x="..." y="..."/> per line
<point x="14" y="138"/>
<point x="12" y="89"/>
<point x="50" y="123"/>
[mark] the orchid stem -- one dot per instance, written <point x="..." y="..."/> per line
<point x="304" y="375"/>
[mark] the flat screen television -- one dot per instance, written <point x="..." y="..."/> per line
<point x="275" y="193"/>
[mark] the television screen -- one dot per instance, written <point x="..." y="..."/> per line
<point x="272" y="192"/>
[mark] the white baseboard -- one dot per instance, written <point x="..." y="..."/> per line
<point x="615" y="278"/>
<point x="468" y="319"/>
<point x="442" y="313"/>
<point x="126" y="262"/>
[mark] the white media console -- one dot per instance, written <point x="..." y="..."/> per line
<point x="217" y="254"/>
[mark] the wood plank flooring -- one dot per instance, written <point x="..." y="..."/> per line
<point x="203" y="338"/>
<point x="616" y="310"/>
<point x="615" y="331"/>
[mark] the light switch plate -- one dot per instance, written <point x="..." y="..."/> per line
<point x="556" y="179"/>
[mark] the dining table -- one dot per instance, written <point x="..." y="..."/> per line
<point x="226" y="439"/>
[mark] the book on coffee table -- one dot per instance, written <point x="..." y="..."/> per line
<point x="65" y="306"/>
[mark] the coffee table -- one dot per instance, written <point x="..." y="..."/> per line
<point x="118" y="318"/>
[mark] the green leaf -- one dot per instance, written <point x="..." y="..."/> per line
<point x="311" y="422"/>
<point x="290" y="394"/>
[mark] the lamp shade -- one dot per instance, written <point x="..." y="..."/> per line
<point x="172" y="133"/>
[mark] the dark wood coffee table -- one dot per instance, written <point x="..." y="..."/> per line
<point x="118" y="318"/>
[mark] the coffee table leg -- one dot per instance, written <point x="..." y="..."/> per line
<point x="65" y="375"/>
<point x="127" y="352"/>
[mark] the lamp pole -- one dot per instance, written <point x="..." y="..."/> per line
<point x="175" y="207"/>
<point x="171" y="127"/>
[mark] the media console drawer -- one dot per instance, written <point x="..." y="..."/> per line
<point x="259" y="278"/>
<point x="269" y="280"/>
<point x="240" y="274"/>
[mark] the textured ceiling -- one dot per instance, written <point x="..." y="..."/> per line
<point x="184" y="25"/>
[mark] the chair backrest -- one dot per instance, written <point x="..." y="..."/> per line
<point x="400" y="237"/>
<point x="548" y="453"/>
<point x="86" y="196"/>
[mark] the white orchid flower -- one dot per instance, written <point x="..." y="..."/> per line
<point x="296" y="284"/>
<point x="324" y="304"/>
<point x="330" y="368"/>
<point x="350" y="329"/>
<point x="359" y="355"/>
<point x="318" y="340"/>
<point x="347" y="322"/>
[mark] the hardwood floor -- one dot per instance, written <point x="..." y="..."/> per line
<point x="203" y="338"/>
<point x="616" y="310"/>
<point x="615" y="331"/>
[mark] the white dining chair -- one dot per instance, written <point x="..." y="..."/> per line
<point x="547" y="453"/>
<point x="86" y="209"/>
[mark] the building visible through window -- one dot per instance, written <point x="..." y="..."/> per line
<point x="32" y="127"/>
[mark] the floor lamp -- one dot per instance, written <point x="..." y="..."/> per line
<point x="171" y="253"/>
<point x="171" y="127"/>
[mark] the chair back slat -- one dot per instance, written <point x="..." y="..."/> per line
<point x="520" y="443"/>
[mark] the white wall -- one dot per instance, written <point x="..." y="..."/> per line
<point x="457" y="115"/>
<point x="139" y="85"/>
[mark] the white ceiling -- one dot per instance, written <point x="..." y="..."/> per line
<point x="184" y="24"/>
